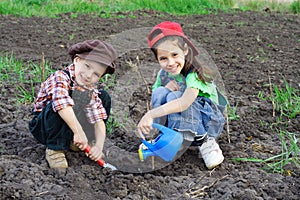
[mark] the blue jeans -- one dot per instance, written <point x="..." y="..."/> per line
<point x="200" y="118"/>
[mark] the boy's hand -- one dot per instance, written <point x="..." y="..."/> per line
<point x="81" y="141"/>
<point x="95" y="153"/>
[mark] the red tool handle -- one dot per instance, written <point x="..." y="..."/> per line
<point x="100" y="161"/>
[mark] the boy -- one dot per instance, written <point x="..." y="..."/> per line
<point x="69" y="107"/>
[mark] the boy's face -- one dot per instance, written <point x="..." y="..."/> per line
<point x="87" y="72"/>
<point x="170" y="57"/>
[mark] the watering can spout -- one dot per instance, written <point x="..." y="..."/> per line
<point x="165" y="145"/>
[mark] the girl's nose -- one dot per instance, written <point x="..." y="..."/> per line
<point x="171" y="62"/>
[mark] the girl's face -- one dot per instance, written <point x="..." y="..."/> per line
<point x="171" y="57"/>
<point x="87" y="72"/>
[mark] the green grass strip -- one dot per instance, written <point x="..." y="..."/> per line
<point x="104" y="8"/>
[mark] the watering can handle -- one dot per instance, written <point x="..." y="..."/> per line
<point x="157" y="126"/>
<point x="154" y="125"/>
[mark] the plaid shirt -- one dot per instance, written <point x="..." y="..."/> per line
<point x="56" y="88"/>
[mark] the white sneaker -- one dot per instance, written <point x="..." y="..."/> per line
<point x="211" y="153"/>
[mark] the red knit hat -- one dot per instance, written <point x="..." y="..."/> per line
<point x="167" y="28"/>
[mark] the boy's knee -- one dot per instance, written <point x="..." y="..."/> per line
<point x="106" y="101"/>
<point x="105" y="98"/>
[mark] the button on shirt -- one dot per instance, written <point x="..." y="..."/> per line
<point x="56" y="88"/>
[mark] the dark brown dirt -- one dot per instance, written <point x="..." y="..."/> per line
<point x="248" y="47"/>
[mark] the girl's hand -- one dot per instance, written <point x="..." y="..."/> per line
<point x="80" y="140"/>
<point x="145" y="125"/>
<point x="95" y="153"/>
<point x="173" y="86"/>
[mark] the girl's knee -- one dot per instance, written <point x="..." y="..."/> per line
<point x="174" y="95"/>
<point x="160" y="90"/>
<point x="159" y="96"/>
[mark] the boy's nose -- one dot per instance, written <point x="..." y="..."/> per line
<point x="88" y="74"/>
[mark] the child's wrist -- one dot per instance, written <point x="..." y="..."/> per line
<point x="157" y="112"/>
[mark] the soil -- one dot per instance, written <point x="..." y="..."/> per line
<point x="251" y="49"/>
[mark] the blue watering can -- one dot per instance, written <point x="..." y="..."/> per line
<point x="165" y="145"/>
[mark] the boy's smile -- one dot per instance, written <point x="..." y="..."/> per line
<point x="88" y="72"/>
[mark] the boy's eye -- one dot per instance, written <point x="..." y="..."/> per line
<point x="174" y="54"/>
<point x="97" y="75"/>
<point x="162" y="58"/>
<point x="87" y="66"/>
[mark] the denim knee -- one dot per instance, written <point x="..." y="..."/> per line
<point x="159" y="96"/>
<point x="173" y="95"/>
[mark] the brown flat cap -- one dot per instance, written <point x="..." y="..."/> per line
<point x="97" y="51"/>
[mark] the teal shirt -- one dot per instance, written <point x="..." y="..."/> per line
<point x="208" y="90"/>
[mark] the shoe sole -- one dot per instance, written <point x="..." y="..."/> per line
<point x="215" y="165"/>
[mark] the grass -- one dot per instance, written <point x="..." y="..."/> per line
<point x="286" y="100"/>
<point x="106" y="8"/>
<point x="22" y="76"/>
<point x="256" y="5"/>
<point x="113" y="122"/>
<point x="286" y="103"/>
<point x="15" y="71"/>
<point x="283" y="162"/>
<point x="108" y="81"/>
<point x="232" y="115"/>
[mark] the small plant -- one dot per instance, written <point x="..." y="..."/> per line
<point x="113" y="123"/>
<point x="286" y="101"/>
<point x="232" y="113"/>
<point x="282" y="162"/>
<point x="108" y="81"/>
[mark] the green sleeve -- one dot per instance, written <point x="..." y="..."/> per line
<point x="208" y="90"/>
<point x="157" y="82"/>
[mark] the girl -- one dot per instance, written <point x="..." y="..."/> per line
<point x="184" y="96"/>
<point x="69" y="107"/>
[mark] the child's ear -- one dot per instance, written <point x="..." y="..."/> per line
<point x="76" y="59"/>
<point x="185" y="49"/>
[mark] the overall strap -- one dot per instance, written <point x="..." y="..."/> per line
<point x="72" y="82"/>
<point x="187" y="72"/>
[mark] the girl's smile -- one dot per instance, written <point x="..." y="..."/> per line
<point x="170" y="57"/>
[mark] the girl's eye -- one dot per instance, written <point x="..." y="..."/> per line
<point x="174" y="54"/>
<point x="87" y="66"/>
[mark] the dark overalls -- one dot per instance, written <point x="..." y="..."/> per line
<point x="51" y="130"/>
